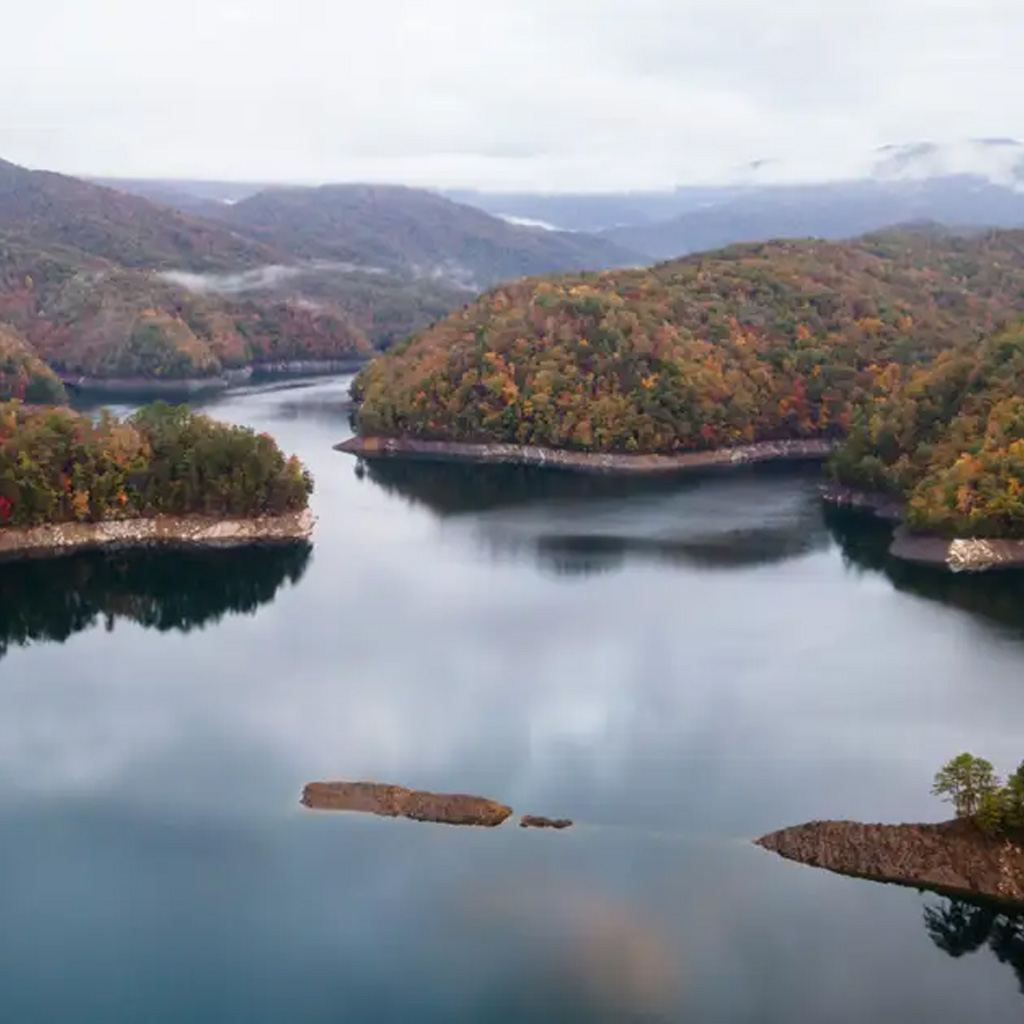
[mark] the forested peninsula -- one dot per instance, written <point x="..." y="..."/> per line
<point x="166" y="476"/>
<point x="903" y="351"/>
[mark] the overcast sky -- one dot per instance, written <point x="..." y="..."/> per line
<point x="538" y="94"/>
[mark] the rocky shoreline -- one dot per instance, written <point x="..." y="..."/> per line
<point x="398" y="802"/>
<point x="595" y="462"/>
<point x="953" y="857"/>
<point x="152" y="387"/>
<point x="162" y="531"/>
<point x="310" y="367"/>
<point x="192" y="387"/>
<point x="957" y="554"/>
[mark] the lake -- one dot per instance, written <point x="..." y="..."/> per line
<point x="678" y="666"/>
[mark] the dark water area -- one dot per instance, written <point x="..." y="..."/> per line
<point x="679" y="666"/>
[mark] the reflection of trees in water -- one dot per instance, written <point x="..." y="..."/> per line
<point x="555" y="516"/>
<point x="864" y="541"/>
<point x="457" y="488"/>
<point x="958" y="927"/>
<point x="54" y="599"/>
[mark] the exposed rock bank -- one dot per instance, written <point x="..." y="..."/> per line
<point x="142" y="387"/>
<point x="958" y="554"/>
<point x="599" y="462"/>
<point x="954" y="856"/>
<point x="961" y="554"/>
<point x="397" y="802"/>
<point x="312" y="367"/>
<point x="885" y="506"/>
<point x="162" y="531"/>
<point x="535" y="821"/>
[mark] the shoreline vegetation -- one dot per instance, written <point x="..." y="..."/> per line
<point x="957" y="554"/>
<point x="163" y="476"/>
<point x="979" y="853"/>
<point x="902" y="351"/>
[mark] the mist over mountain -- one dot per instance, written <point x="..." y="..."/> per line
<point x="414" y="232"/>
<point x="974" y="183"/>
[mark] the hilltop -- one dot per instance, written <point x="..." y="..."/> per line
<point x="757" y="343"/>
<point x="414" y="232"/>
<point x="42" y="208"/>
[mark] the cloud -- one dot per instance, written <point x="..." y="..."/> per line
<point x="513" y="93"/>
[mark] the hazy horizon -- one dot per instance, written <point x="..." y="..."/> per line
<point x="553" y="96"/>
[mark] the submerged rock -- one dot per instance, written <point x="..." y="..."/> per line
<point x="397" y="802"/>
<point x="535" y="821"/>
<point x="954" y="856"/>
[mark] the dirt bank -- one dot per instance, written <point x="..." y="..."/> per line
<point x="163" y="531"/>
<point x="953" y="857"/>
<point x="957" y="554"/>
<point x="397" y="802"/>
<point x="599" y="462"/>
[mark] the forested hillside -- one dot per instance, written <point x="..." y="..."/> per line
<point x="949" y="436"/>
<point x="758" y="342"/>
<point x="52" y="209"/>
<point x="87" y="316"/>
<point x="23" y="375"/>
<point x="105" y="283"/>
<point x="415" y="232"/>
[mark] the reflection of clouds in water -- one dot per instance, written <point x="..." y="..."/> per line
<point x="581" y="942"/>
<point x="646" y="695"/>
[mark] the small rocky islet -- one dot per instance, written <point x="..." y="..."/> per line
<point x="392" y="801"/>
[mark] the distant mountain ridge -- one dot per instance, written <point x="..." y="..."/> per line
<point x="105" y="283"/>
<point x="415" y="232"/>
<point x="53" y="209"/>
<point x="971" y="183"/>
<point x="834" y="211"/>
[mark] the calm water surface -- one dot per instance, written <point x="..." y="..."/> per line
<point x="679" y="668"/>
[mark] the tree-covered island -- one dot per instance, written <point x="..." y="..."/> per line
<point x="165" y="475"/>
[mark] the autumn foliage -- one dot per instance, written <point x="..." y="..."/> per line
<point x="61" y="466"/>
<point x="23" y="375"/>
<point x="890" y="341"/>
<point x="949" y="437"/>
<point x="85" y="316"/>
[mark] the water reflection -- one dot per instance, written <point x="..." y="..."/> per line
<point x="580" y="524"/>
<point x="54" y="599"/>
<point x="958" y="927"/>
<point x="864" y="542"/>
